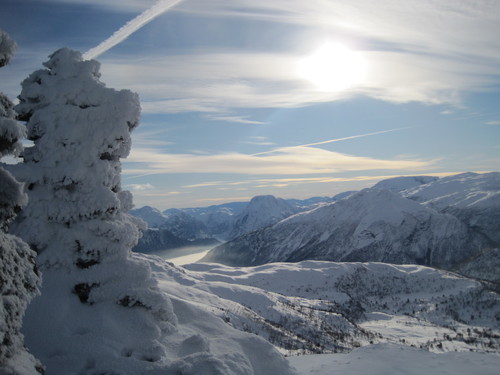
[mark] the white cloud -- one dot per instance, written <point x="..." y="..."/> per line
<point x="221" y="82"/>
<point x="492" y="122"/>
<point x="445" y="26"/>
<point x="298" y="160"/>
<point x="426" y="51"/>
<point x="139" y="187"/>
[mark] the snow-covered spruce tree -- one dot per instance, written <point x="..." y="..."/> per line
<point x="100" y="310"/>
<point x="19" y="280"/>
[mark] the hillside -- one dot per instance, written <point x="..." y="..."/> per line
<point x="442" y="224"/>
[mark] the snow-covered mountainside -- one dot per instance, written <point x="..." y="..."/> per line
<point x="219" y="219"/>
<point x="169" y="231"/>
<point x="321" y="307"/>
<point x="153" y="217"/>
<point x="154" y="239"/>
<point x="185" y="226"/>
<point x="262" y="211"/>
<point x="372" y="225"/>
<point x="220" y="222"/>
<point x="399" y="184"/>
<point x="471" y="197"/>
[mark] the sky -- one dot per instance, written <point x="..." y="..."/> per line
<point x="294" y="98"/>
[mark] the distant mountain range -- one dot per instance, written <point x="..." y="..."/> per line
<point x="174" y="228"/>
<point x="450" y="223"/>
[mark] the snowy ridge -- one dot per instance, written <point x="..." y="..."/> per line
<point x="473" y="198"/>
<point x="153" y="217"/>
<point x="372" y="225"/>
<point x="174" y="227"/>
<point x="261" y="212"/>
<point x="399" y="184"/>
<point x="384" y="226"/>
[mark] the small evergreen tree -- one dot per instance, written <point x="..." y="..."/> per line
<point x="77" y="221"/>
<point x="19" y="279"/>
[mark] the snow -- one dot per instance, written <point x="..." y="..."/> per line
<point x="371" y="225"/>
<point x="399" y="184"/>
<point x="262" y="211"/>
<point x="386" y="359"/>
<point x="7" y="47"/>
<point x="101" y="308"/>
<point x="19" y="280"/>
<point x="153" y="217"/>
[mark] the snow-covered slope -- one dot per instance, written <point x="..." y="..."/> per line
<point x="219" y="219"/>
<point x="372" y="225"/>
<point x="262" y="211"/>
<point x="153" y="217"/>
<point x="224" y="313"/>
<point x="473" y="198"/>
<point x="168" y="231"/>
<point x="185" y="226"/>
<point x="399" y="184"/>
<point x="318" y="307"/>
<point x="383" y="359"/>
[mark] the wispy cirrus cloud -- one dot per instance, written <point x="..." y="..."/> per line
<point x="226" y="81"/>
<point x="282" y="182"/>
<point x="139" y="187"/>
<point x="298" y="160"/>
<point x="431" y="53"/>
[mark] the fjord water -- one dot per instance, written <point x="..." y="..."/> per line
<point x="185" y="254"/>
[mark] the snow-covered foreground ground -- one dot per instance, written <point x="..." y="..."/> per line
<point x="396" y="319"/>
<point x="388" y="359"/>
<point x="377" y="319"/>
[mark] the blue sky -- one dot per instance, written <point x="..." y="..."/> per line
<point x="293" y="98"/>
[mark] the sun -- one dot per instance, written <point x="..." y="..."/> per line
<point x="333" y="67"/>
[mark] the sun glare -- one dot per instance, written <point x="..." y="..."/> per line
<point x="333" y="67"/>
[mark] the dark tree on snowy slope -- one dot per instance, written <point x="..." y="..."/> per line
<point x="77" y="218"/>
<point x="19" y="280"/>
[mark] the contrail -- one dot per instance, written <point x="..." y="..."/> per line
<point x="331" y="140"/>
<point x="130" y="27"/>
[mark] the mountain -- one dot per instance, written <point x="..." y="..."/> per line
<point x="399" y="184"/>
<point x="218" y="219"/>
<point x="183" y="225"/>
<point x="473" y="198"/>
<point x="153" y="217"/>
<point x="229" y="220"/>
<point x="261" y="212"/>
<point x="450" y="223"/>
<point x="372" y="225"/>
